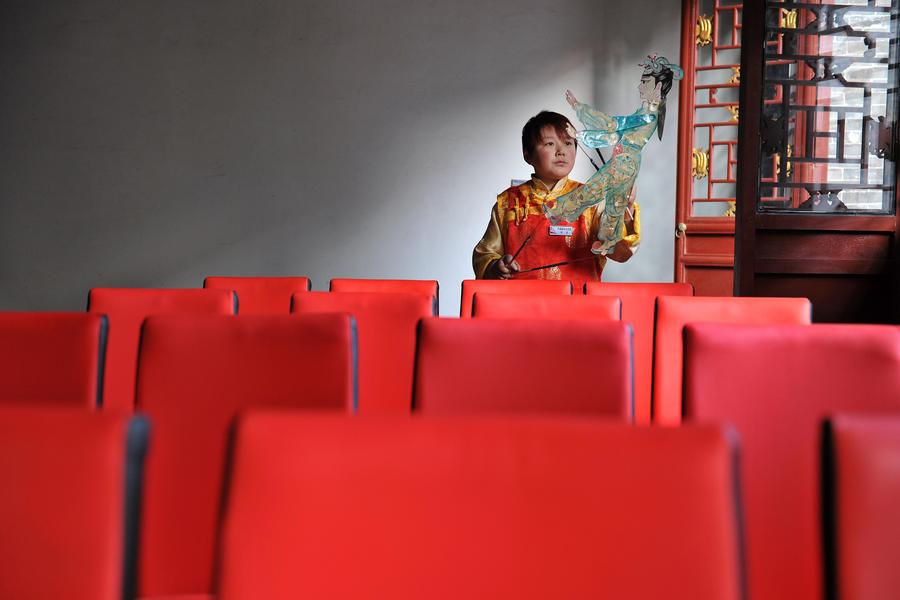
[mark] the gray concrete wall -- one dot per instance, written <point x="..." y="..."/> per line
<point x="153" y="143"/>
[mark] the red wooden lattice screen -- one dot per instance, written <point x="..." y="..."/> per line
<point x="707" y="144"/>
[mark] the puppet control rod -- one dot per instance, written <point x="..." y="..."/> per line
<point x="559" y="264"/>
<point x="542" y="267"/>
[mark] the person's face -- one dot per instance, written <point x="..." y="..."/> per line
<point x="647" y="88"/>
<point x="553" y="158"/>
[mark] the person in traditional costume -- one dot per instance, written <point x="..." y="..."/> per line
<point x="554" y="228"/>
<point x="520" y="242"/>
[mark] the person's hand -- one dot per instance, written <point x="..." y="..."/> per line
<point x="570" y="98"/>
<point x="504" y="268"/>
<point x="571" y="131"/>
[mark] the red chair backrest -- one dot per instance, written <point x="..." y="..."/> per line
<point x="512" y="286"/>
<point x="52" y="358"/>
<point x="775" y="384"/>
<point x="195" y="374"/>
<point x="126" y="310"/>
<point x="386" y="333"/>
<point x="673" y="313"/>
<point x="415" y="286"/>
<point x="547" y="365"/>
<point x="71" y="481"/>
<point x="509" y="306"/>
<point x="863" y="524"/>
<point x="478" y="508"/>
<point x="261" y="295"/>
<point x="639" y="309"/>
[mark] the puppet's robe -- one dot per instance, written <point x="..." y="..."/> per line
<point x="609" y="188"/>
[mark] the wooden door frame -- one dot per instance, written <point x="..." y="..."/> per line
<point x="752" y="60"/>
<point x="696" y="226"/>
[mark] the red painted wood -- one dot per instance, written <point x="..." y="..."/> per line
<point x="706" y="239"/>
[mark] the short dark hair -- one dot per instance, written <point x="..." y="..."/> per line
<point x="531" y="133"/>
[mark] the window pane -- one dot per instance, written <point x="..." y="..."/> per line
<point x="829" y="107"/>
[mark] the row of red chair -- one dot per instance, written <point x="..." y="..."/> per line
<point x="657" y="318"/>
<point x="478" y="507"/>
<point x="387" y="323"/>
<point x="783" y="368"/>
<point x="195" y="373"/>
<point x="387" y="351"/>
<point x="272" y="295"/>
<point x="657" y="333"/>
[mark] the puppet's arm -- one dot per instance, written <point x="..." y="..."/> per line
<point x="590" y="117"/>
<point x="602" y="130"/>
<point x="623" y="126"/>
<point x="604" y="139"/>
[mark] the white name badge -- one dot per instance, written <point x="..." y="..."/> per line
<point x="561" y="229"/>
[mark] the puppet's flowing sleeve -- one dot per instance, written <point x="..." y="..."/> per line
<point x="602" y="130"/>
<point x="490" y="248"/>
<point x="594" y="119"/>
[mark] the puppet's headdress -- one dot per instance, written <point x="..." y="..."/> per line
<point x="658" y="64"/>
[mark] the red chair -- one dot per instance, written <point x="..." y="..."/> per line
<point x="126" y="310"/>
<point x="478" y="508"/>
<point x="639" y="309"/>
<point x="775" y="384"/>
<point x="386" y="329"/>
<point x="511" y="286"/>
<point x="195" y="374"/>
<point x="68" y="512"/>
<point x="673" y="313"/>
<point x="416" y="286"/>
<point x="467" y="365"/>
<point x="507" y="306"/>
<point x="261" y="295"/>
<point x="862" y="455"/>
<point x="52" y="358"/>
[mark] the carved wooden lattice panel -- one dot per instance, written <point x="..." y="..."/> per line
<point x="716" y="79"/>
<point x="829" y="114"/>
<point x="708" y="123"/>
